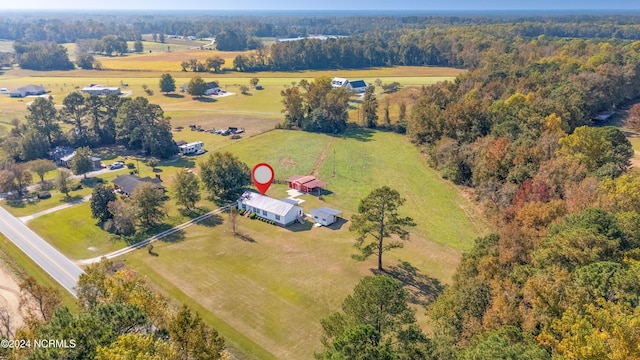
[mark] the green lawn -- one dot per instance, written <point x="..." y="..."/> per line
<point x="251" y="285"/>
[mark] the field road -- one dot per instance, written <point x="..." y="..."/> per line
<point x="51" y="260"/>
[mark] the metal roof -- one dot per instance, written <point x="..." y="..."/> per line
<point x="325" y="211"/>
<point x="262" y="202"/>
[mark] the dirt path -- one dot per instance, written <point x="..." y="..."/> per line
<point x="10" y="315"/>
<point x="321" y="158"/>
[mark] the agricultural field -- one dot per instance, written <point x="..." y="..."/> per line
<point x="249" y="285"/>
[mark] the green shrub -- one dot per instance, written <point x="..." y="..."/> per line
<point x="252" y="216"/>
<point x="241" y="212"/>
<point x="131" y="166"/>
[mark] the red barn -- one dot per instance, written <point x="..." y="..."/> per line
<point x="307" y="184"/>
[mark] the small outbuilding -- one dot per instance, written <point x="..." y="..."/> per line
<point x="306" y="184"/>
<point x="325" y="216"/>
<point x="281" y="212"/>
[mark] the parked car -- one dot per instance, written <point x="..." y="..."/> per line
<point x="4" y="91"/>
<point x="116" y="165"/>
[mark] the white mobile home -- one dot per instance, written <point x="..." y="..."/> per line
<point x="281" y="212"/>
<point x="191" y="148"/>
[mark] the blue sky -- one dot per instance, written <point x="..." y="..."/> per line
<point x="323" y="4"/>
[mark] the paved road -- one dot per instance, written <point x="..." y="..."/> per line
<point x="51" y="260"/>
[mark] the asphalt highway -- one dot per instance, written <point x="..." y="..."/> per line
<point x="46" y="256"/>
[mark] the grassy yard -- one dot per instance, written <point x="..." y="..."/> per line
<point x="250" y="285"/>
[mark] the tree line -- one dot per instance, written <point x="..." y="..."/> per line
<point x="95" y="121"/>
<point x="73" y="26"/>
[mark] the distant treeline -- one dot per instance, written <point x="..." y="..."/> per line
<point x="71" y="27"/>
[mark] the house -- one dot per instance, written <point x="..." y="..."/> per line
<point x="97" y="89"/>
<point x="339" y="83"/>
<point x="325" y="216"/>
<point x="62" y="155"/>
<point x="126" y="184"/>
<point x="358" y="86"/>
<point x="212" y="87"/>
<point x="281" y="212"/>
<point x="60" y="152"/>
<point x="29" y="90"/>
<point x="191" y="148"/>
<point x="307" y="184"/>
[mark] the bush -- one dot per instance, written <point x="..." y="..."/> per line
<point x="252" y="216"/>
<point x="44" y="195"/>
<point x="131" y="166"/>
<point x="241" y="212"/>
<point x="76" y="187"/>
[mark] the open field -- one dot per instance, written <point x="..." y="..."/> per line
<point x="254" y="283"/>
<point x="273" y="285"/>
<point x="267" y="290"/>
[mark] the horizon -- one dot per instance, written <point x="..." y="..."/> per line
<point x="327" y="5"/>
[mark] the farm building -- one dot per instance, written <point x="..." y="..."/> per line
<point x="29" y="90"/>
<point x="191" y="148"/>
<point x="281" y="212"/>
<point x="358" y="86"/>
<point x="325" y="216"/>
<point x="307" y="184"/>
<point x="127" y="184"/>
<point x="96" y="89"/>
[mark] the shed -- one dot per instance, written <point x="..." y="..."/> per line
<point x="308" y="184"/>
<point x="281" y="212"/>
<point x="325" y="216"/>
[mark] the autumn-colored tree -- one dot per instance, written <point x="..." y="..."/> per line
<point x="633" y="118"/>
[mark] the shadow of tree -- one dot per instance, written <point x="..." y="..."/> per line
<point x="246" y="238"/>
<point x="211" y="221"/>
<point x="175" y="96"/>
<point x="422" y="289"/>
<point x="205" y="100"/>
<point x="359" y="134"/>
<point x="176" y="236"/>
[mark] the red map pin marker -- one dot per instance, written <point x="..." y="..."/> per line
<point x="262" y="176"/>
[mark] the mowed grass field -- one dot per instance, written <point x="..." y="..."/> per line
<point x="268" y="289"/>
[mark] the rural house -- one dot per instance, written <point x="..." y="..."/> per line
<point x="29" y="90"/>
<point x="307" y="184"/>
<point x="281" y="212"/>
<point x="212" y="87"/>
<point x="325" y="216"/>
<point x="62" y="155"/>
<point x="358" y="86"/>
<point x="96" y="89"/>
<point x="126" y="184"/>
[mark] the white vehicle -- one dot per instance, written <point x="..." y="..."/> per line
<point x="4" y="91"/>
